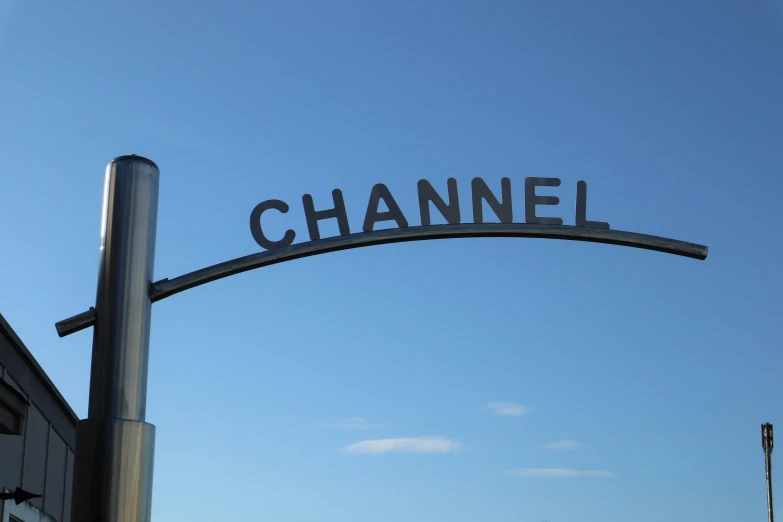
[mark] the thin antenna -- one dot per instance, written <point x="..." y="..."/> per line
<point x="767" y="444"/>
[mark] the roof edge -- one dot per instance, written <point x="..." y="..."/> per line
<point x="37" y="367"/>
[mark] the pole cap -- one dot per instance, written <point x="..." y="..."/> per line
<point x="134" y="157"/>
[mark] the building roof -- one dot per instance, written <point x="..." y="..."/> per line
<point x="37" y="370"/>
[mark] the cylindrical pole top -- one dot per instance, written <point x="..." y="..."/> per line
<point x="118" y="381"/>
<point x="132" y="158"/>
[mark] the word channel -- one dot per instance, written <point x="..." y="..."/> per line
<point x="480" y="193"/>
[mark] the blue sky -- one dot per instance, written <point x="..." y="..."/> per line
<point x="421" y="381"/>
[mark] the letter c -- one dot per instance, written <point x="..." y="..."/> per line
<point x="258" y="233"/>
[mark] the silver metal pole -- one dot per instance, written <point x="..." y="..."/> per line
<point x="114" y="446"/>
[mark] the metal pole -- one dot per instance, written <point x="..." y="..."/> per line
<point x="767" y="442"/>
<point x="770" y="515"/>
<point x="114" y="446"/>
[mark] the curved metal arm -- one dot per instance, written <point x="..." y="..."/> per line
<point x="168" y="287"/>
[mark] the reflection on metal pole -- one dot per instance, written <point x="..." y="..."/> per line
<point x="114" y="446"/>
<point x="767" y="443"/>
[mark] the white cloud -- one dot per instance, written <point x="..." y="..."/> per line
<point x="560" y="473"/>
<point x="508" y="409"/>
<point x="404" y="445"/>
<point x="562" y="445"/>
<point x="351" y="423"/>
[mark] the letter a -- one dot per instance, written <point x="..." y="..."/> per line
<point x="380" y="191"/>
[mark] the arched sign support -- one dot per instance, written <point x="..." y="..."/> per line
<point x="114" y="457"/>
<point x="168" y="287"/>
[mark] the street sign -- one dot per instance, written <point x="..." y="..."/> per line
<point x="115" y="445"/>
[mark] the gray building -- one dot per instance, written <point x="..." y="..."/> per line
<point x="37" y="436"/>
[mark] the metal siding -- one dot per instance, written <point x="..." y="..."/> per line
<point x="68" y="487"/>
<point x="23" y="372"/>
<point x="55" y="476"/>
<point x="10" y="380"/>
<point x="36" y="446"/>
<point x="11" y="450"/>
<point x="25" y="512"/>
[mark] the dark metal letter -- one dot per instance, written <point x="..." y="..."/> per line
<point x="314" y="216"/>
<point x="257" y="231"/>
<point x="380" y="191"/>
<point x="503" y="211"/>
<point x="581" y="208"/>
<point x="531" y="200"/>
<point x="427" y="194"/>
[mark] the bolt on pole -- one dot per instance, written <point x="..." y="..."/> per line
<point x="115" y="446"/>
<point x="767" y="444"/>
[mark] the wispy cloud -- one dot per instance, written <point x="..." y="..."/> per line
<point x="560" y="473"/>
<point x="404" y="445"/>
<point x="562" y="445"/>
<point x="508" y="409"/>
<point x="351" y="423"/>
